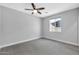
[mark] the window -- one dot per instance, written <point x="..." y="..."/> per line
<point x="55" y="25"/>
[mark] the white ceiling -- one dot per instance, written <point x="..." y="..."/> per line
<point x="51" y="8"/>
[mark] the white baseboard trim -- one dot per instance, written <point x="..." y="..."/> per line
<point x="6" y="45"/>
<point x="66" y="42"/>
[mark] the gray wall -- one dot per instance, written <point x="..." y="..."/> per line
<point x="1" y="28"/>
<point x="18" y="26"/>
<point x="0" y="23"/>
<point x="78" y="26"/>
<point x="69" y="27"/>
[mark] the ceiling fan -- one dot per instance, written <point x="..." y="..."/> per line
<point x="35" y="10"/>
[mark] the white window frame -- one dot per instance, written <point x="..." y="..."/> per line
<point x="54" y="28"/>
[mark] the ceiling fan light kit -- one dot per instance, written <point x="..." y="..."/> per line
<point x="35" y="11"/>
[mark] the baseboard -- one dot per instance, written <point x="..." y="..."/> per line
<point x="70" y="43"/>
<point x="18" y="42"/>
<point x="65" y="42"/>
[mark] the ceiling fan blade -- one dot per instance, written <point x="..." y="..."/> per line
<point x="28" y="9"/>
<point x="39" y="12"/>
<point x="40" y="8"/>
<point x="34" y="7"/>
<point x="32" y="12"/>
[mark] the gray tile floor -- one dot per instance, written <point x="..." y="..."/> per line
<point x="40" y="47"/>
